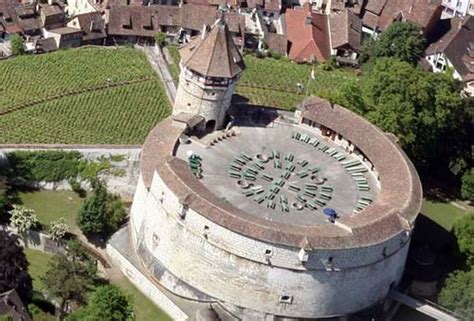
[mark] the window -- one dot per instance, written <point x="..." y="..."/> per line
<point x="288" y="299"/>
<point x="268" y="253"/>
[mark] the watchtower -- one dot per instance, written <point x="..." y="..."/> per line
<point x="210" y="68"/>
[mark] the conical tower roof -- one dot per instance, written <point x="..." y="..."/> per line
<point x="215" y="54"/>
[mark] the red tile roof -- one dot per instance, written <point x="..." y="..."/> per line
<point x="308" y="35"/>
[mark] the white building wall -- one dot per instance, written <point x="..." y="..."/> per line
<point x="76" y="7"/>
<point x="453" y="8"/>
<point x="235" y="269"/>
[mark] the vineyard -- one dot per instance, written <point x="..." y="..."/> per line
<point x="86" y="96"/>
<point x="274" y="83"/>
<point x="119" y="115"/>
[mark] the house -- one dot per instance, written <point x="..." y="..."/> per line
<point x="92" y="26"/>
<point x="45" y="45"/>
<point x="378" y="15"/>
<point x="142" y="23"/>
<point x="12" y="307"/>
<point x="65" y="37"/>
<point x="18" y="18"/>
<point x="456" y="8"/>
<point x="52" y="16"/>
<point x="77" y="7"/>
<point x="28" y="19"/>
<point x="455" y="50"/>
<point x="345" y="36"/>
<point x="308" y="35"/>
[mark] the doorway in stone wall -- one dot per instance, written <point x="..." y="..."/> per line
<point x="210" y="125"/>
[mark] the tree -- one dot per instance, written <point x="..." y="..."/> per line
<point x="107" y="303"/>
<point x="424" y="110"/>
<point x="22" y="218"/>
<point x="457" y="293"/>
<point x="402" y="40"/>
<point x="160" y="39"/>
<point x="464" y="231"/>
<point x="16" y="43"/>
<point x="467" y="188"/>
<point x="67" y="280"/>
<point x="101" y="213"/>
<point x="13" y="266"/>
<point x="58" y="229"/>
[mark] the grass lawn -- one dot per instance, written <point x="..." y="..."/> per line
<point x="38" y="266"/>
<point x="64" y="97"/>
<point x="51" y="205"/>
<point x="145" y="310"/>
<point x="445" y="214"/>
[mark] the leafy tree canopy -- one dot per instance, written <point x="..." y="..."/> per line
<point x="23" y="218"/>
<point x="422" y="109"/>
<point x="67" y="280"/>
<point x="107" y="303"/>
<point x="464" y="231"/>
<point x="458" y="293"/>
<point x="16" y="43"/>
<point x="467" y="189"/>
<point x="13" y="266"/>
<point x="401" y="40"/>
<point x="101" y="213"/>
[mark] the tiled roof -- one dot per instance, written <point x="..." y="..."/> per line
<point x="308" y="34"/>
<point x="214" y="54"/>
<point x="346" y="29"/>
<point x="276" y="42"/>
<point x="393" y="212"/>
<point x="93" y="26"/>
<point x="145" y="21"/>
<point x="382" y="13"/>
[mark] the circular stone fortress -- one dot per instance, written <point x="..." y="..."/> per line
<point x="269" y="217"/>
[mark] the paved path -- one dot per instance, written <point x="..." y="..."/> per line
<point x="424" y="307"/>
<point x="156" y="59"/>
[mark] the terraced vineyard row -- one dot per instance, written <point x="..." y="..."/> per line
<point x="27" y="79"/>
<point x="119" y="115"/>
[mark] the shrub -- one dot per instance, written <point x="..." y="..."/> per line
<point x="275" y="55"/>
<point x="49" y="166"/>
<point x="160" y="39"/>
<point x="101" y="213"/>
<point x="58" y="229"/>
<point x="23" y="219"/>
<point x="16" y="43"/>
<point x="467" y="188"/>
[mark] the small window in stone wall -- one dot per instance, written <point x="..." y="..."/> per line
<point x="287" y="299"/>
<point x="268" y="253"/>
<point x="384" y="252"/>
<point x="206" y="231"/>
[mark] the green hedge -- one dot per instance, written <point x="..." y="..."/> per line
<point x="53" y="166"/>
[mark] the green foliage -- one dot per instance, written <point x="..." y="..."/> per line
<point x="458" y="293"/>
<point x="23" y="219"/>
<point x="16" y="43"/>
<point x="101" y="213"/>
<point x="402" y="40"/>
<point x="14" y="267"/>
<point x="63" y="97"/>
<point x="67" y="280"/>
<point x="28" y="79"/>
<point x="467" y="188"/>
<point x="49" y="166"/>
<point x="275" y="55"/>
<point x="464" y="231"/>
<point x="3" y="197"/>
<point x="422" y="109"/>
<point x="117" y="115"/>
<point x="107" y="303"/>
<point x="160" y="39"/>
<point x="58" y="229"/>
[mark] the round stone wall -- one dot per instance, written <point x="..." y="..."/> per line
<point x="196" y="258"/>
<point x="211" y="102"/>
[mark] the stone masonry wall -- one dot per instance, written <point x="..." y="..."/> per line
<point x="124" y="185"/>
<point x="210" y="102"/>
<point x="233" y="268"/>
